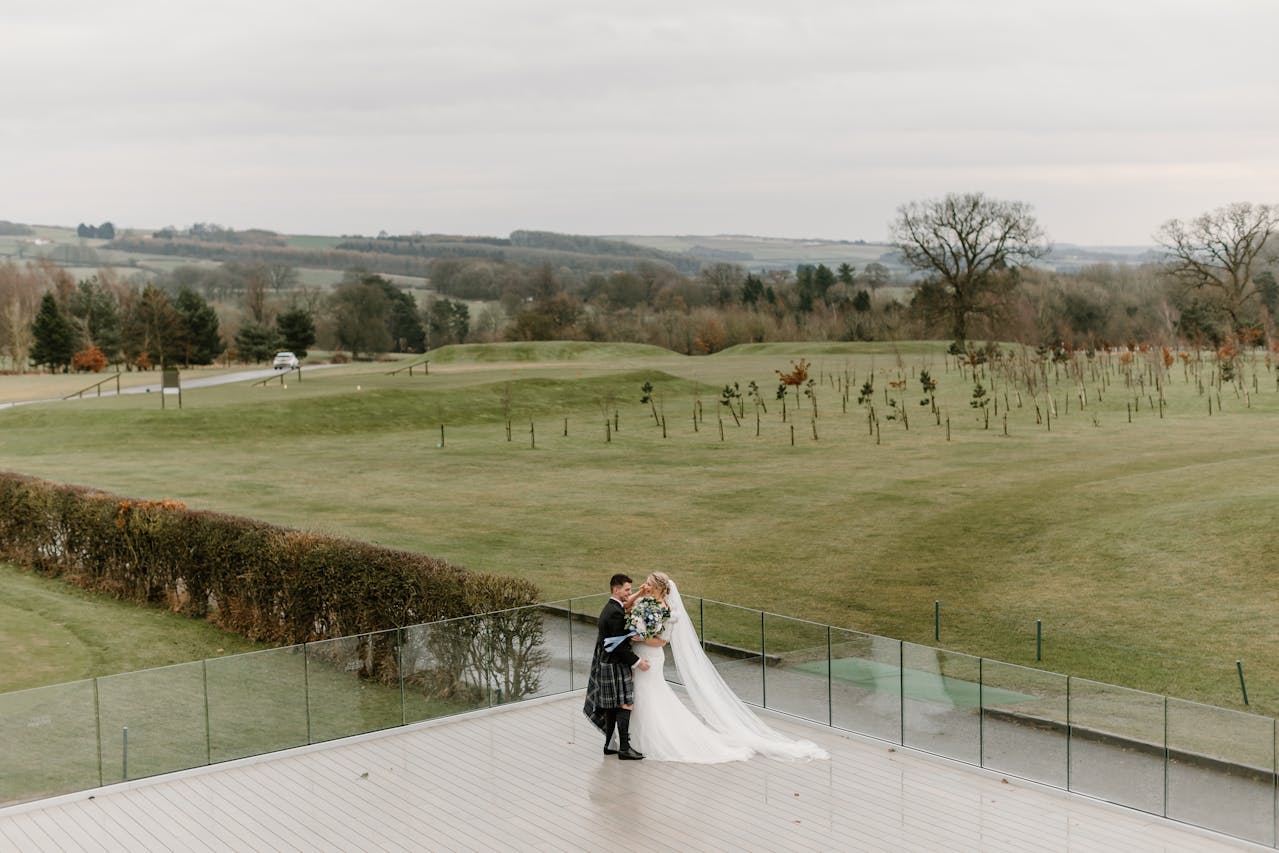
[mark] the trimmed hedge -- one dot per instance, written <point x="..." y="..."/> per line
<point x="269" y="583"/>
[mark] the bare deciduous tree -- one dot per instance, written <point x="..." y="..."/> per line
<point x="1221" y="252"/>
<point x="968" y="245"/>
<point x="20" y="292"/>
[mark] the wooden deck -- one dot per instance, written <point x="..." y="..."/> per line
<point x="532" y="777"/>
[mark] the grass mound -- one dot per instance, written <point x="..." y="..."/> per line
<point x="845" y="348"/>
<point x="545" y="351"/>
<point x="340" y="410"/>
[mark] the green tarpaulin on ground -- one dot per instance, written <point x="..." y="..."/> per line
<point x="917" y="684"/>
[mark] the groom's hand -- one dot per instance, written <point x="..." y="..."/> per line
<point x="643" y="664"/>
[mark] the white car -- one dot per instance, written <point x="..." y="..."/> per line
<point x="285" y="360"/>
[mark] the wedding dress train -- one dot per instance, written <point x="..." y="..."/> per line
<point x="723" y="729"/>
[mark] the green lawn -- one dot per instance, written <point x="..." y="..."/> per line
<point x="55" y="632"/>
<point x="1145" y="548"/>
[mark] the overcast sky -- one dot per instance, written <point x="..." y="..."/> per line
<point x="804" y="118"/>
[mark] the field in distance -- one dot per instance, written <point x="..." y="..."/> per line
<point x="1122" y="504"/>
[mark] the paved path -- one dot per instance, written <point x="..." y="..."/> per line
<point x="187" y="383"/>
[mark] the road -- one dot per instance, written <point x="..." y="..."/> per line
<point x="187" y="383"/>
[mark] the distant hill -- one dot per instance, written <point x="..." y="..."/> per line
<point x="765" y="253"/>
<point x="768" y="253"/>
<point x="410" y="255"/>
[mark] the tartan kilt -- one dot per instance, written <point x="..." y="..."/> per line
<point x="610" y="686"/>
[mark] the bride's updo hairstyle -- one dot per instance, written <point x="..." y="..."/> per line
<point x="662" y="582"/>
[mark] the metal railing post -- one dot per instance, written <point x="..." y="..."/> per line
<point x="763" y="664"/>
<point x="1165" y="798"/>
<point x="97" y="725"/>
<point x="572" y="671"/>
<point x="399" y="664"/>
<point x="901" y="690"/>
<point x="208" y="735"/>
<point x="306" y="687"/>
<point x="1069" y="733"/>
<point x="981" y="713"/>
<point x="830" y="681"/>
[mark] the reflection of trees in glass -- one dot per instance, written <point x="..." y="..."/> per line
<point x="500" y="654"/>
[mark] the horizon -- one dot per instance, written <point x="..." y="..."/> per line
<point x="609" y="236"/>
<point x="723" y="118"/>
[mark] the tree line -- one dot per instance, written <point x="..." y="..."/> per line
<point x="972" y="266"/>
<point x="973" y="271"/>
<point x="49" y="320"/>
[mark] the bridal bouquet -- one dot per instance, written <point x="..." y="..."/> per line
<point x="645" y="621"/>
<point x="647" y="617"/>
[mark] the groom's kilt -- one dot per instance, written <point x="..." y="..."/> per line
<point x="610" y="686"/>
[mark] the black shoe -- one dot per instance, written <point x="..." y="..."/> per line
<point x="608" y="750"/>
<point x="629" y="754"/>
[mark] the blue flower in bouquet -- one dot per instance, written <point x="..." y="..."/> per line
<point x="647" y="617"/>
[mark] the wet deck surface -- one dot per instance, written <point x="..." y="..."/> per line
<point x="531" y="776"/>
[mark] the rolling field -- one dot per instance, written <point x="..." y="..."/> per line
<point x="1144" y="546"/>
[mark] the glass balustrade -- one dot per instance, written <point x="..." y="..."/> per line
<point x="1202" y="765"/>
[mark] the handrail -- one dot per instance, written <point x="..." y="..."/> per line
<point x="279" y="376"/>
<point x="424" y="364"/>
<point x="98" y="385"/>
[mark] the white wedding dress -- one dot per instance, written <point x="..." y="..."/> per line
<point x="723" y="729"/>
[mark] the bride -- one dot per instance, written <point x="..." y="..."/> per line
<point x="664" y="729"/>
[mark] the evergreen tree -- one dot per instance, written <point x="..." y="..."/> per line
<point x="449" y="322"/>
<point x="152" y="328"/>
<point x="202" y="342"/>
<point x="823" y="279"/>
<point x="804" y="285"/>
<point x="296" y="328"/>
<point x="361" y="314"/>
<point x="257" y="342"/>
<point x="97" y="311"/>
<point x="53" y="335"/>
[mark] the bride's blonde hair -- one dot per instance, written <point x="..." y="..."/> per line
<point x="662" y="581"/>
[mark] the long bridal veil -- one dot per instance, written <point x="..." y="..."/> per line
<point x="715" y="700"/>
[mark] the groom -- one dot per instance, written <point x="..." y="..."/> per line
<point x="610" y="692"/>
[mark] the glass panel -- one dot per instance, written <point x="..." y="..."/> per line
<point x="439" y="675"/>
<point x="353" y="685"/>
<point x="558" y="644"/>
<point x="1024" y="722"/>
<point x="257" y="702"/>
<point x="163" y="709"/>
<point x="731" y="637"/>
<point x="796" y="676"/>
<point x="50" y="741"/>
<point x="586" y="613"/>
<point x="866" y="684"/>
<point x="941" y="708"/>
<point x="1116" y="744"/>
<point x="1220" y="770"/>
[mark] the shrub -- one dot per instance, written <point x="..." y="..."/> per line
<point x="268" y="583"/>
<point x="90" y="360"/>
